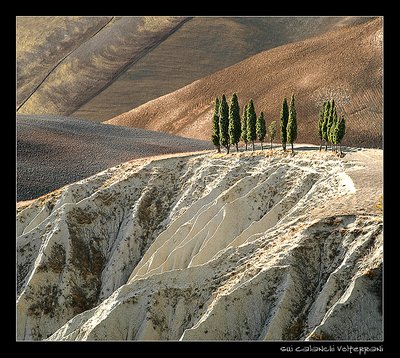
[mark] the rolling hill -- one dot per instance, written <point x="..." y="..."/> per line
<point x="345" y="64"/>
<point x="62" y="62"/>
<point x="99" y="67"/>
<point x="54" y="151"/>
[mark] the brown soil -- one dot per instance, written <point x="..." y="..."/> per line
<point x="55" y="151"/>
<point x="100" y="66"/>
<point x="345" y="64"/>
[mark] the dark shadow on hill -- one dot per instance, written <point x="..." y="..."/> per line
<point x="55" y="151"/>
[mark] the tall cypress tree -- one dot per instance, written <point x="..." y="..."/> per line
<point x="215" y="126"/>
<point x="284" y="121"/>
<point x="291" y="128"/>
<point x="329" y="122"/>
<point x="340" y="132"/>
<point x="321" y="124"/>
<point x="244" y="125"/>
<point x="332" y="129"/>
<point x="325" y="124"/>
<point x="261" y="129"/>
<point x="234" y="122"/>
<point x="272" y="131"/>
<point x="224" y="123"/>
<point x="251" y="123"/>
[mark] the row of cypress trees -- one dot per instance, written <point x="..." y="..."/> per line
<point x="228" y="127"/>
<point x="331" y="128"/>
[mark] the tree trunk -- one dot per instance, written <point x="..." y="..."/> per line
<point x="292" y="147"/>
<point x="237" y="147"/>
<point x="261" y="146"/>
<point x="219" y="149"/>
<point x="326" y="146"/>
<point x="320" y="146"/>
<point x="252" y="143"/>
<point x="246" y="146"/>
<point x="227" y="149"/>
<point x="271" y="144"/>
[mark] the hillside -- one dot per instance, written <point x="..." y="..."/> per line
<point x="345" y="64"/>
<point x="53" y="151"/>
<point x="206" y="247"/>
<point x="99" y="67"/>
<point x="62" y="62"/>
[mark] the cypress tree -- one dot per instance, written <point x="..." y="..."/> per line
<point x="224" y="123"/>
<point x="325" y="123"/>
<point x="234" y="122"/>
<point x="330" y="120"/>
<point x="272" y="131"/>
<point x="320" y="124"/>
<point x="284" y="121"/>
<point x="340" y="132"/>
<point x="291" y="128"/>
<point x="332" y="129"/>
<point x="261" y="129"/>
<point x="215" y="126"/>
<point x="244" y="126"/>
<point x="251" y="123"/>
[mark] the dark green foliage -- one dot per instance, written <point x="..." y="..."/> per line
<point x="234" y="122"/>
<point x="340" y="131"/>
<point x="261" y="129"/>
<point x="329" y="120"/>
<point x="244" y="126"/>
<point x="284" y="120"/>
<point x="251" y="123"/>
<point x="215" y="126"/>
<point x="272" y="131"/>
<point x="327" y="110"/>
<point x="321" y="123"/>
<point x="224" y="123"/>
<point x="332" y="127"/>
<point x="291" y="129"/>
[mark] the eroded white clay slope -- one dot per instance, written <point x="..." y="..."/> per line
<point x="198" y="248"/>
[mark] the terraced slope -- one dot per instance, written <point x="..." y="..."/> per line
<point x="250" y="246"/>
<point x="345" y="64"/>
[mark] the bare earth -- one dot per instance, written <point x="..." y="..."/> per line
<point x="345" y="64"/>
<point x="97" y="67"/>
